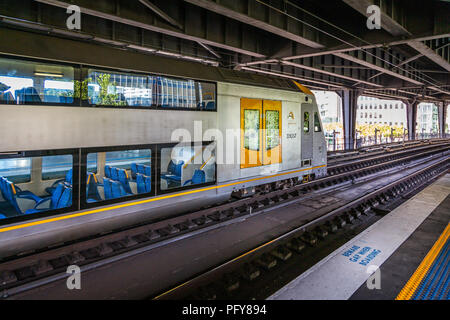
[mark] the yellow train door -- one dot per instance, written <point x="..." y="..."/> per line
<point x="260" y="132"/>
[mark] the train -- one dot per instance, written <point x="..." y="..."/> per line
<point x="92" y="145"/>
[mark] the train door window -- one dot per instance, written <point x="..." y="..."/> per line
<point x="27" y="82"/>
<point x="306" y="122"/>
<point x="317" y="127"/>
<point x="120" y="174"/>
<point x="251" y="133"/>
<point x="272" y="132"/>
<point x="187" y="166"/>
<point x="22" y="191"/>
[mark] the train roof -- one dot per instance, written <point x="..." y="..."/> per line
<point x="36" y="45"/>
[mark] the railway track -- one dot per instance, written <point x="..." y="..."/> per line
<point x="365" y="153"/>
<point x="22" y="274"/>
<point x="291" y="248"/>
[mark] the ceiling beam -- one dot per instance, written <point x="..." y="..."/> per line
<point x="376" y="67"/>
<point x="387" y="22"/>
<point x="332" y="74"/>
<point x="248" y="19"/>
<point x="152" y="27"/>
<point x="430" y="54"/>
<point x="161" y="13"/>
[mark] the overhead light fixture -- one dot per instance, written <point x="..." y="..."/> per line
<point x="48" y="74"/>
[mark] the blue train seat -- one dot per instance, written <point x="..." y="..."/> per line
<point x="92" y="194"/>
<point x="107" y="171"/>
<point x="114" y="174"/>
<point x="198" y="178"/>
<point x="133" y="171"/>
<point x="66" y="198"/>
<point x="2" y="216"/>
<point x="107" y="187"/>
<point x="148" y="183"/>
<point x="27" y="95"/>
<point x="124" y="180"/>
<point x="50" y="202"/>
<point x="68" y="179"/>
<point x="144" y="183"/>
<point x="148" y="171"/>
<point x="173" y="171"/>
<point x="140" y="183"/>
<point x="20" y="200"/>
<point x="140" y="168"/>
<point x="117" y="190"/>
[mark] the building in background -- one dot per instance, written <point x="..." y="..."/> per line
<point x="427" y="124"/>
<point x="374" y="111"/>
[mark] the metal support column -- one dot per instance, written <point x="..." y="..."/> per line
<point x="411" y="118"/>
<point x="441" y="118"/>
<point x="349" y="107"/>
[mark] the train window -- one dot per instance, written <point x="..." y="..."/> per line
<point x="26" y="82"/>
<point x="317" y="127"/>
<point x="184" y="166"/>
<point x="119" y="89"/>
<point x="16" y="170"/>
<point x="126" y="89"/>
<point x="272" y="121"/>
<point x="251" y="129"/>
<point x="56" y="167"/>
<point x="22" y="192"/>
<point x="121" y="174"/>
<point x="206" y="96"/>
<point x="306" y="122"/>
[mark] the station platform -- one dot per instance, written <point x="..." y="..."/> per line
<point x="402" y="256"/>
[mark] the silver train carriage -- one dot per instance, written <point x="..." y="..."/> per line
<point x="87" y="148"/>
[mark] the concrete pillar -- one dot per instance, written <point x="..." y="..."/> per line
<point x="442" y="109"/>
<point x="349" y="107"/>
<point x="411" y="118"/>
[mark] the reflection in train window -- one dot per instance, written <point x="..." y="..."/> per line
<point x="317" y="127"/>
<point x="56" y="167"/>
<point x="183" y="166"/>
<point x="119" y="89"/>
<point x="22" y="192"/>
<point x="128" y="89"/>
<point x="121" y="174"/>
<point x="32" y="82"/>
<point x="16" y="170"/>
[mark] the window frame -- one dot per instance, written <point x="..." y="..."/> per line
<point x="81" y="74"/>
<point x="83" y="171"/>
<point x="76" y="77"/>
<point x="75" y="181"/>
<point x="86" y="103"/>
<point x="182" y="188"/>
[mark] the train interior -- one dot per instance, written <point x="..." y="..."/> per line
<point x="24" y="81"/>
<point x="32" y="185"/>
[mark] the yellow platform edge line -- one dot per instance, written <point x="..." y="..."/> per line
<point x="130" y="204"/>
<point x="413" y="283"/>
